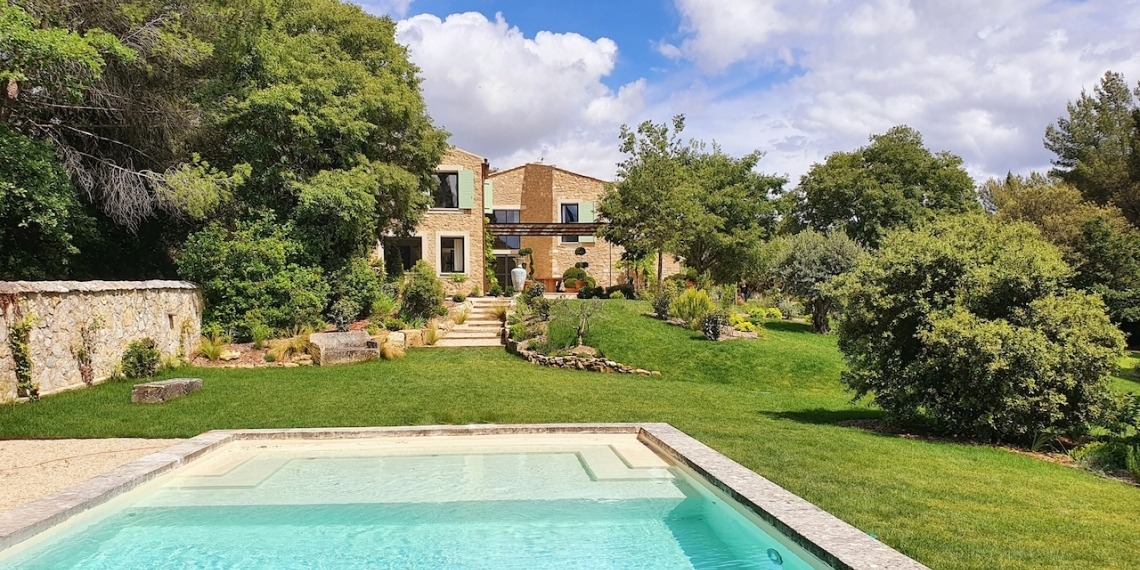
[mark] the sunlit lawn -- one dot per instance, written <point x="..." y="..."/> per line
<point x="773" y="405"/>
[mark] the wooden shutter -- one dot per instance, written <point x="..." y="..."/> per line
<point x="466" y="189"/>
<point x="586" y="216"/>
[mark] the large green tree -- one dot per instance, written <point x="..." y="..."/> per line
<point x="655" y="198"/>
<point x="738" y="202"/>
<point x="1098" y="145"/>
<point x="1099" y="244"/>
<point x="893" y="182"/>
<point x="968" y="325"/>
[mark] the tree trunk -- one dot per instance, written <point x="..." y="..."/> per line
<point x="660" y="266"/>
<point x="819" y="322"/>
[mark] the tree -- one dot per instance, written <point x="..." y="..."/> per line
<point x="737" y="202"/>
<point x="809" y="262"/>
<point x="1097" y="144"/>
<point x="893" y="182"/>
<point x="42" y="221"/>
<point x="1095" y="240"/>
<point x="325" y="107"/>
<point x="967" y="325"/>
<point x="655" y="198"/>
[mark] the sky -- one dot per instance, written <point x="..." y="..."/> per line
<point x="520" y="81"/>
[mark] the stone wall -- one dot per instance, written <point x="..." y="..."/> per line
<point x="458" y="222"/>
<point x="170" y="312"/>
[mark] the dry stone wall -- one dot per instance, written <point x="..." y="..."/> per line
<point x="117" y="312"/>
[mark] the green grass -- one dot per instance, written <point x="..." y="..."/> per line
<point x="771" y="405"/>
<point x="1127" y="377"/>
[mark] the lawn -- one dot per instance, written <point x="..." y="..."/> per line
<point x="772" y="405"/>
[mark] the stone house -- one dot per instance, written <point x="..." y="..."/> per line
<point x="450" y="234"/>
<point x="541" y="193"/>
<point x="538" y="196"/>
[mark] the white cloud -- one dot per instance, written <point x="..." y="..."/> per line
<point x="516" y="99"/>
<point x="977" y="77"/>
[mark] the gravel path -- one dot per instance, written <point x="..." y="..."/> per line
<point x="32" y="469"/>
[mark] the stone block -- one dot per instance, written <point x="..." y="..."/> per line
<point x="342" y="347"/>
<point x="397" y="339"/>
<point x="413" y="338"/>
<point x="335" y="356"/>
<point x="164" y="390"/>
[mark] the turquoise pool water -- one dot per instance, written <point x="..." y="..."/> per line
<point x="283" y="510"/>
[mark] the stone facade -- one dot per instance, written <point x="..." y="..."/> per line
<point x="538" y="191"/>
<point x="170" y="312"/>
<point x="466" y="223"/>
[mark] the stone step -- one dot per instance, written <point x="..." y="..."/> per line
<point x="480" y="324"/>
<point x="472" y="334"/>
<point x="447" y="342"/>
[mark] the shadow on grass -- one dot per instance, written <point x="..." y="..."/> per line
<point x="787" y="326"/>
<point x="821" y="416"/>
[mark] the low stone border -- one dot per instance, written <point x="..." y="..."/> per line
<point x="589" y="364"/>
<point x="831" y="540"/>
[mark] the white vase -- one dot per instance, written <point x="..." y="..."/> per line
<point x="518" y="278"/>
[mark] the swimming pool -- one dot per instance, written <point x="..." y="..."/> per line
<point x="391" y="499"/>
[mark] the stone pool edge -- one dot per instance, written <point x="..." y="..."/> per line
<point x="817" y="531"/>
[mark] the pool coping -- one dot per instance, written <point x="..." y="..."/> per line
<point x="825" y="536"/>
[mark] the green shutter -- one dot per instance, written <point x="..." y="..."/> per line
<point x="466" y="189"/>
<point x="586" y="216"/>
<point x="488" y="198"/>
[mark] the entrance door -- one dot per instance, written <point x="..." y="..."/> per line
<point x="503" y="266"/>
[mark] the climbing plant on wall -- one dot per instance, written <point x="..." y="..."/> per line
<point x="18" y="336"/>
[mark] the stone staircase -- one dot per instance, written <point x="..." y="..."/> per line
<point x="481" y="327"/>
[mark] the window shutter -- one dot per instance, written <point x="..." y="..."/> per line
<point x="586" y="216"/>
<point x="466" y="189"/>
<point x="488" y="198"/>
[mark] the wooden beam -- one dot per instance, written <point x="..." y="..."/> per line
<point x="532" y="229"/>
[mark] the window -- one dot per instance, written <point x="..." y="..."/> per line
<point x="569" y="216"/>
<point x="506" y="217"/>
<point x="451" y="255"/>
<point x="447" y="192"/>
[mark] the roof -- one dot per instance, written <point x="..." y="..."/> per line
<point x="551" y="166"/>
<point x="467" y="152"/>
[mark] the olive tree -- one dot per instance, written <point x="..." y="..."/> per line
<point x="967" y="325"/>
<point x="808" y="263"/>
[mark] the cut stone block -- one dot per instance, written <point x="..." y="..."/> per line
<point x="396" y="339"/>
<point x="413" y="338"/>
<point x="342" y="347"/>
<point x="163" y="390"/>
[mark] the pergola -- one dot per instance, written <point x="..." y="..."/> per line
<point x="532" y="229"/>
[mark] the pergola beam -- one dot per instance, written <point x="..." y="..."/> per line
<point x="532" y="229"/>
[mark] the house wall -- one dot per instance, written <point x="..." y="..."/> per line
<point x="466" y="223"/>
<point x="170" y="312"/>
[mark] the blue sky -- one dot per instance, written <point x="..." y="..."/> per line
<point x="520" y="81"/>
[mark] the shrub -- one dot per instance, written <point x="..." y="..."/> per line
<point x="270" y="357"/>
<point x="789" y="309"/>
<point x="259" y="332"/>
<point x="500" y="311"/>
<point x="383" y="306"/>
<point x="254" y="267"/>
<point x="141" y="359"/>
<point x="459" y="298"/>
<point x="589" y="291"/>
<point x="518" y="332"/>
<point x="212" y="344"/>
<point x="773" y="313"/>
<point x="712" y="324"/>
<point x="416" y="322"/>
<point x="532" y="292"/>
<point x="741" y="324"/>
<point x="477" y="291"/>
<point x="343" y="312"/>
<point x="691" y="306"/>
<point x="431" y="334"/>
<point x="1105" y="456"/>
<point x="395" y="324"/>
<point x="561" y="334"/>
<point x="391" y="352"/>
<point x="423" y="293"/>
<point x="572" y="276"/>
<point x="617" y="295"/>
<point x="625" y="289"/>
<point x="663" y="298"/>
<point x="360" y="283"/>
<point x="966" y="325"/>
<point x="541" y="308"/>
<point x="295" y="344"/>
<point x="496" y="290"/>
